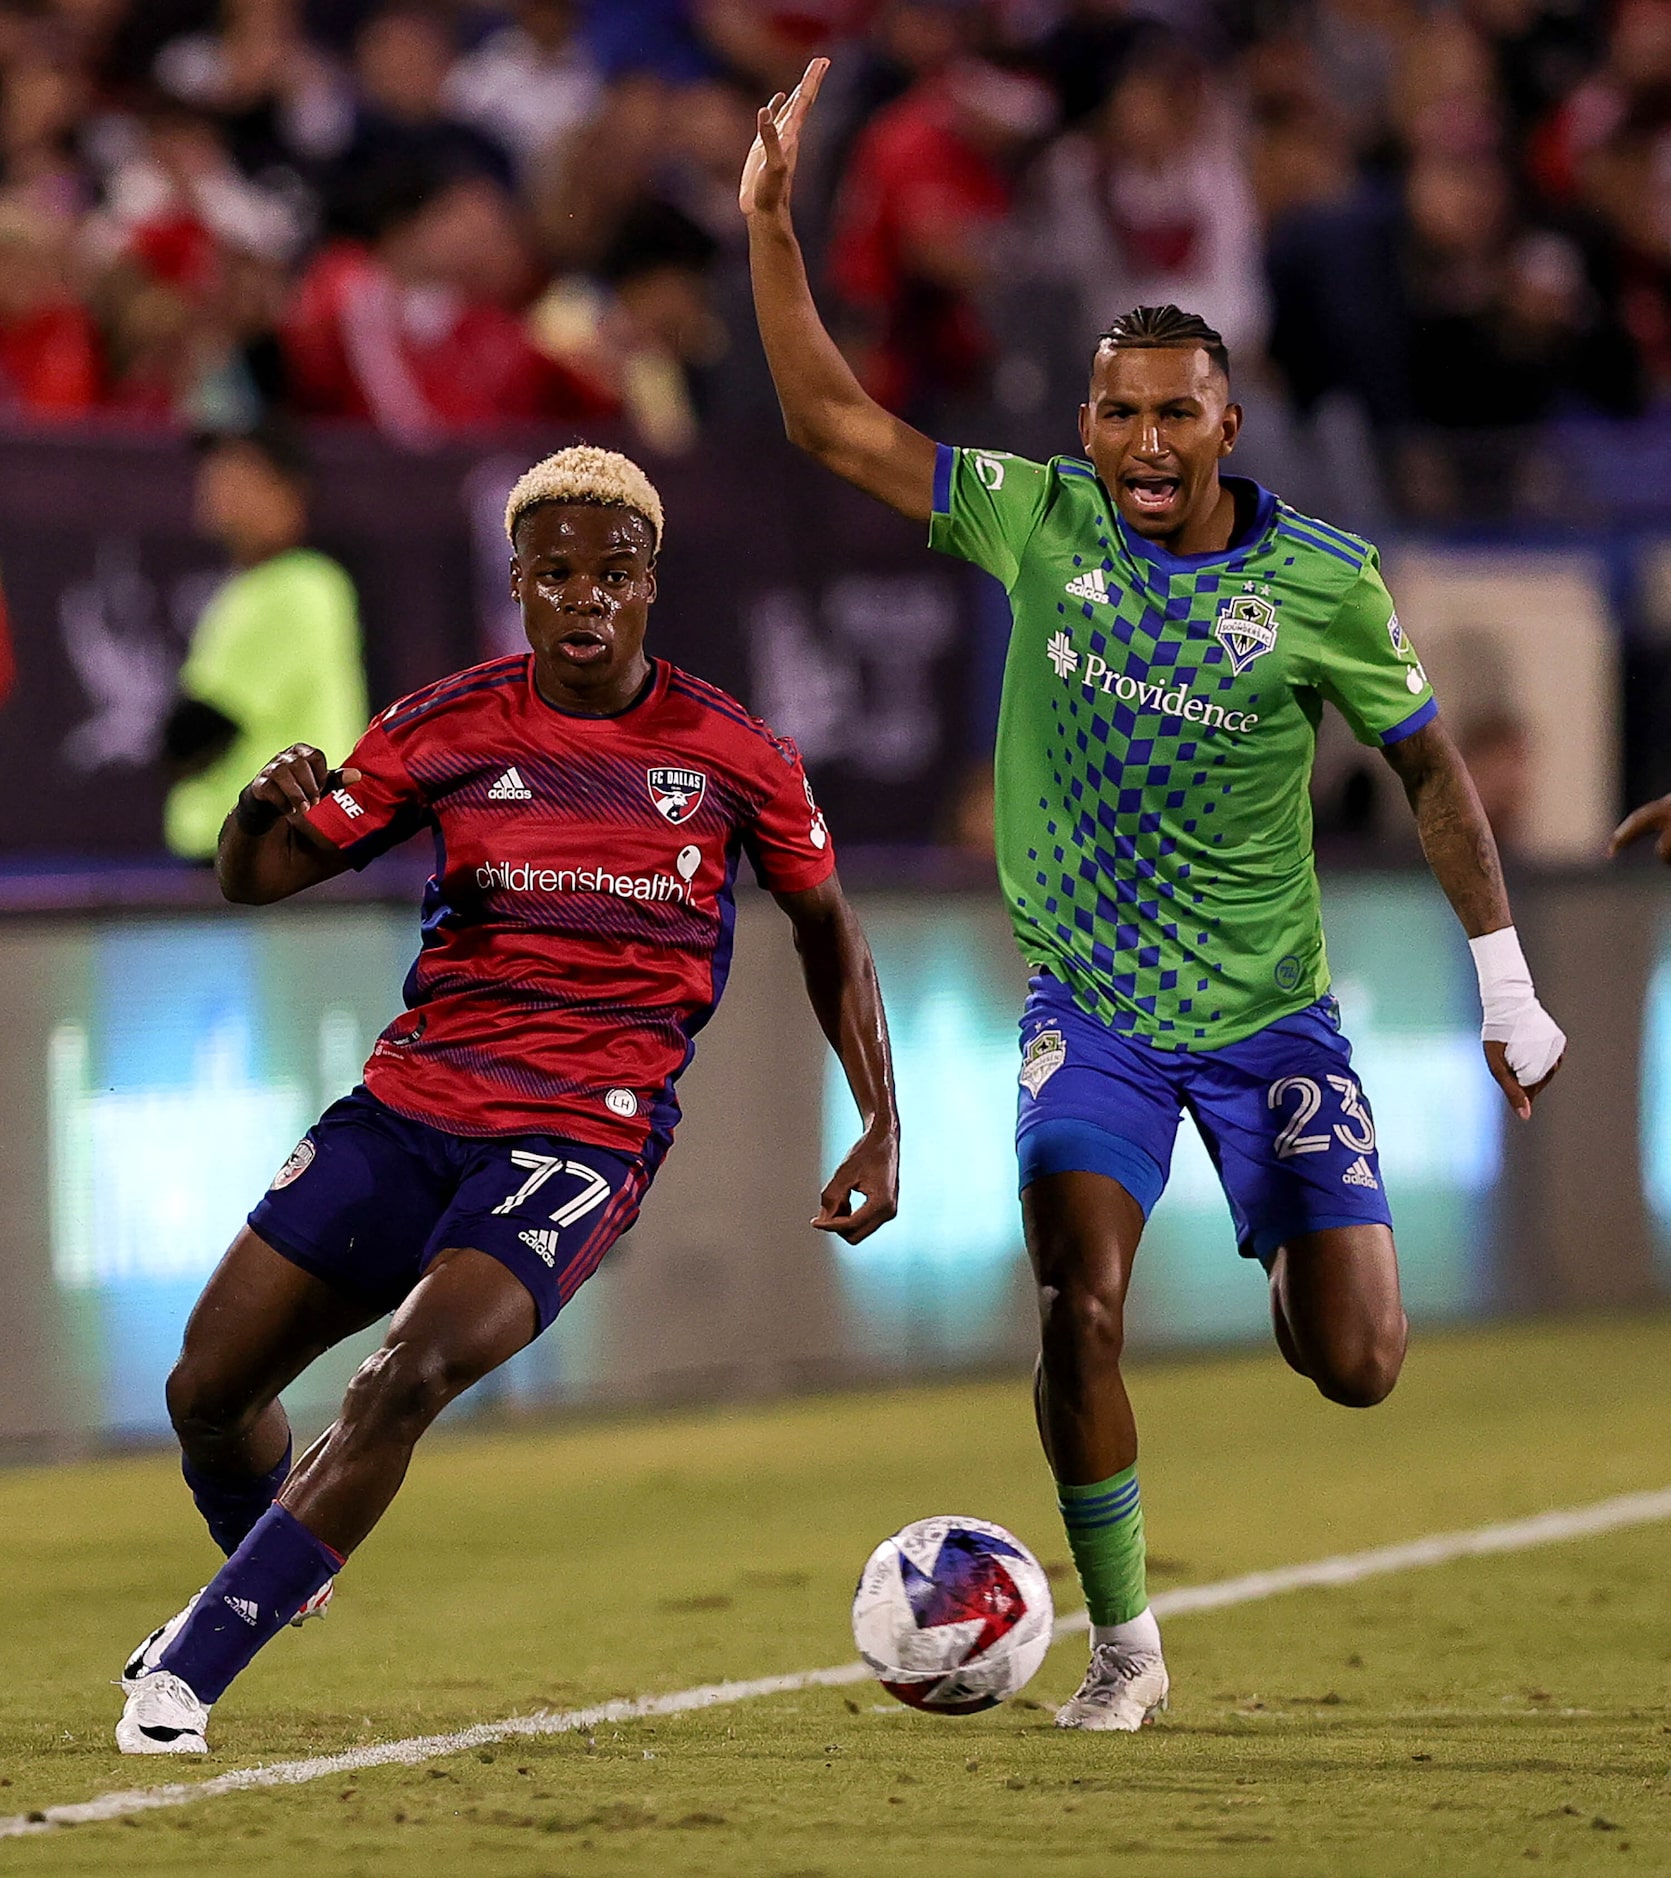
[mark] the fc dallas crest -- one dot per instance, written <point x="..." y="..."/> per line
<point x="677" y="793"/>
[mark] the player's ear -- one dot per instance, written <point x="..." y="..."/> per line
<point x="1085" y="428"/>
<point x="1232" y="429"/>
<point x="650" y="583"/>
<point x="516" y="579"/>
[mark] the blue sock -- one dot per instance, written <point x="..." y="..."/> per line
<point x="249" y="1601"/>
<point x="232" y="1503"/>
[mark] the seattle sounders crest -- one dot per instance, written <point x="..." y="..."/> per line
<point x="1246" y="628"/>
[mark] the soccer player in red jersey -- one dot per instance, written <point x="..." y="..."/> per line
<point x="589" y="806"/>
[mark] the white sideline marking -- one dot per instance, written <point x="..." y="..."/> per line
<point x="1517" y="1535"/>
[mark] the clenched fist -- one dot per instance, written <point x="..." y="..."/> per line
<point x="289" y="785"/>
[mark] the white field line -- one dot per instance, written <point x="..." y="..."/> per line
<point x="1519" y="1535"/>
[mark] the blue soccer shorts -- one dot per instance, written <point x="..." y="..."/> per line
<point x="370" y="1197"/>
<point x="1283" y="1117"/>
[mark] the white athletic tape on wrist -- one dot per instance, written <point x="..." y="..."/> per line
<point x="1513" y="1017"/>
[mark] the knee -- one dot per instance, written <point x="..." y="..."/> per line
<point x="398" y="1391"/>
<point x="206" y="1407"/>
<point x="1085" y="1318"/>
<point x="1361" y="1373"/>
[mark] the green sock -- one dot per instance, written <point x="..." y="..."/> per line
<point x="1105" y="1535"/>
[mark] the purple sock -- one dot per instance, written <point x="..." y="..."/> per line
<point x="249" y="1601"/>
<point x="231" y="1504"/>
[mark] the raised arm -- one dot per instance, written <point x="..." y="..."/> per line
<point x="267" y="851"/>
<point x="825" y="409"/>
<point x="1523" y="1044"/>
<point x="841" y="985"/>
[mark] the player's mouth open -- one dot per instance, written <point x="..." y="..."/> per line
<point x="1152" y="495"/>
<point x="584" y="646"/>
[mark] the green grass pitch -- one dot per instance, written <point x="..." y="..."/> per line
<point x="1495" y="1715"/>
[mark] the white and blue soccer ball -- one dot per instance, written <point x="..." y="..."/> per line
<point x="953" y="1615"/>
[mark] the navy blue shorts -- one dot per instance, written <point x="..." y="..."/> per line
<point x="1283" y="1118"/>
<point x="370" y="1197"/>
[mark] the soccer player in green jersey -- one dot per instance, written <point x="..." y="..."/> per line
<point x="1176" y="632"/>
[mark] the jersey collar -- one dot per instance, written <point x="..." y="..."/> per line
<point x="651" y="692"/>
<point x="1246" y="539"/>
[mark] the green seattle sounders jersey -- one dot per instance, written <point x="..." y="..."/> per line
<point x="1156" y="738"/>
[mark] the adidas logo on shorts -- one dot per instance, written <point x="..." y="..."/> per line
<point x="544" y="1242"/>
<point x="510" y="788"/>
<point x="1089" y="586"/>
<point x="246" y="1608"/>
<point x="1359" y="1174"/>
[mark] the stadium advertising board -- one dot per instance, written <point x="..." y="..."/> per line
<point x="163" y="1069"/>
<point x="948" y="1279"/>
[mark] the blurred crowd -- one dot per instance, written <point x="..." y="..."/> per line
<point x="435" y="217"/>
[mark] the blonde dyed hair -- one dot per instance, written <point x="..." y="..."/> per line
<point x="586" y="474"/>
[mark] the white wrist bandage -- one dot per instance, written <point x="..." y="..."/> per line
<point x="1513" y="1017"/>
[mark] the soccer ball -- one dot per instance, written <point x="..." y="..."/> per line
<point x="953" y="1615"/>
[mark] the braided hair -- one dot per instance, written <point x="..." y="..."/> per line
<point x="1145" y="327"/>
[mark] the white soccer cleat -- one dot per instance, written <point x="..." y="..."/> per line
<point x="162" y="1716"/>
<point x="1120" y="1692"/>
<point x="145" y="1659"/>
<point x="316" y="1606"/>
<point x="149" y="1654"/>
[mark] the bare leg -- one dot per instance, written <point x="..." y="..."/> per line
<point x="259" y="1323"/>
<point x="466" y="1316"/>
<point x="1082" y="1234"/>
<point x="1337" y="1313"/>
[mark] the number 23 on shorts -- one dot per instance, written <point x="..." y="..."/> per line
<point x="1300" y="1098"/>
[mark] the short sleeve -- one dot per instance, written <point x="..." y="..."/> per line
<point x="384" y="808"/>
<point x="986" y="506"/>
<point x="788" y="842"/>
<point x="1368" y="668"/>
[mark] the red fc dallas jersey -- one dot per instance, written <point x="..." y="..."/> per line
<point x="577" y="930"/>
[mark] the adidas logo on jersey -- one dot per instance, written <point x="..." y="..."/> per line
<point x="543" y="1241"/>
<point x="1359" y="1174"/>
<point x="1091" y="585"/>
<point x="510" y="788"/>
<point x="246" y="1608"/>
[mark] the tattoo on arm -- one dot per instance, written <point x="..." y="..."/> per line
<point x="1455" y="836"/>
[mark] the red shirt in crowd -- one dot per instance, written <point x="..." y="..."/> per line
<point x="419" y="362"/>
<point x="914" y="178"/>
<point x="49" y="361"/>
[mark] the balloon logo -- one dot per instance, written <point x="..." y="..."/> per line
<point x="690" y="859"/>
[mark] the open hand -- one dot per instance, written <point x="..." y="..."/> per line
<point x="769" y="169"/>
<point x="1653" y="818"/>
<point x="872" y="1171"/>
